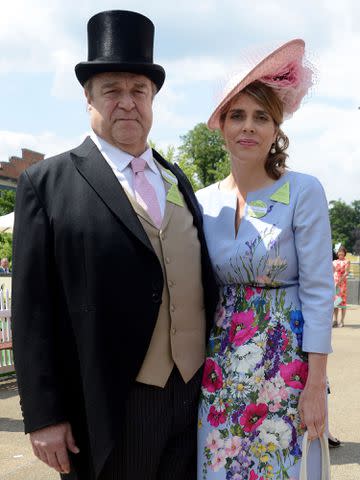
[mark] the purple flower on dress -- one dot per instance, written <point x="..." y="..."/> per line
<point x="296" y="451"/>
<point x="293" y="431"/>
<point x="236" y="415"/>
<point x="273" y="352"/>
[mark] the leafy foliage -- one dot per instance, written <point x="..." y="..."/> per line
<point x="7" y="205"/>
<point x="7" y="201"/>
<point x="6" y="245"/>
<point x="345" y="223"/>
<point x="202" y="156"/>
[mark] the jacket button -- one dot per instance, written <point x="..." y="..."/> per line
<point x="156" y="297"/>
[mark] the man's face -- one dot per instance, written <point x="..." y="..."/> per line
<point x="120" y="106"/>
<point x="5" y="263"/>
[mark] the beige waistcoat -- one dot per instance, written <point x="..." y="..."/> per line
<point x="179" y="334"/>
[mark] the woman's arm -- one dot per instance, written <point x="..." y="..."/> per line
<point x="312" y="404"/>
<point x="316" y="289"/>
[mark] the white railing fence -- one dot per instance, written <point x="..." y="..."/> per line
<point x="6" y="353"/>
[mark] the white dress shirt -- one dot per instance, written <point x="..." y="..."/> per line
<point x="119" y="162"/>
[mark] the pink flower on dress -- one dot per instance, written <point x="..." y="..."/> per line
<point x="218" y="461"/>
<point x="214" y="441"/>
<point x="274" y="407"/>
<point x="295" y="374"/>
<point x="253" y="416"/>
<point x="249" y="292"/>
<point x="264" y="280"/>
<point x="241" y="330"/>
<point x="232" y="446"/>
<point x="215" y="417"/>
<point x="253" y="476"/>
<point x="212" y="377"/>
<point x="284" y="394"/>
<point x="285" y="339"/>
<point x="243" y="319"/>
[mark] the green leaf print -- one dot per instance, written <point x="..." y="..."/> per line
<point x="224" y="433"/>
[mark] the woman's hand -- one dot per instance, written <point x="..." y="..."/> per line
<point x="312" y="402"/>
<point x="312" y="408"/>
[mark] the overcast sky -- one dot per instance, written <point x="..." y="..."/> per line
<point x="198" y="43"/>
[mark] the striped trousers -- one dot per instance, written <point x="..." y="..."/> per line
<point x="158" y="441"/>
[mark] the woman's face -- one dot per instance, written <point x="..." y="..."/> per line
<point x="248" y="130"/>
<point x="341" y="255"/>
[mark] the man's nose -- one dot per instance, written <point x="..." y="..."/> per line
<point x="125" y="101"/>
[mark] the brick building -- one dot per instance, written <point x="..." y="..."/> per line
<point x="10" y="171"/>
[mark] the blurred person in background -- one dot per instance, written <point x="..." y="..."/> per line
<point x="341" y="267"/>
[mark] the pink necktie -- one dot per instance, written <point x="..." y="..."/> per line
<point x="144" y="192"/>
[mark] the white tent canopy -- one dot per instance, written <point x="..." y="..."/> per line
<point x="7" y="223"/>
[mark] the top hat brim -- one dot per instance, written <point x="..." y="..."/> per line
<point x="86" y="70"/>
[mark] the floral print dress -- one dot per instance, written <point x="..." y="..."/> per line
<point x="340" y="279"/>
<point x="273" y="310"/>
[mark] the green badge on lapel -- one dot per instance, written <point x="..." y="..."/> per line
<point x="282" y="195"/>
<point x="174" y="196"/>
<point x="169" y="177"/>
<point x="257" y="209"/>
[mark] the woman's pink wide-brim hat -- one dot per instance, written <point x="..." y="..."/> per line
<point x="283" y="69"/>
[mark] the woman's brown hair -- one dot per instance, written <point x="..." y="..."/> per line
<point x="267" y="98"/>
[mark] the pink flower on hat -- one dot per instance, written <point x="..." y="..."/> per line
<point x="288" y="76"/>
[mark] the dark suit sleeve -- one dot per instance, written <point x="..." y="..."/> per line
<point x="34" y="312"/>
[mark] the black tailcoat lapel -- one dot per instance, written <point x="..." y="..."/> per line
<point x="97" y="172"/>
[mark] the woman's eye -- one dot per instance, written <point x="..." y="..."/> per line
<point x="237" y="116"/>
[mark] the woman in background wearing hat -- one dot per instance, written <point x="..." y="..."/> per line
<point x="265" y="374"/>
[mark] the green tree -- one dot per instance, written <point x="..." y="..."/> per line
<point x="202" y="156"/>
<point x="188" y="168"/>
<point x="169" y="154"/>
<point x="7" y="201"/>
<point x="6" y="245"/>
<point x="343" y="220"/>
<point x="7" y="205"/>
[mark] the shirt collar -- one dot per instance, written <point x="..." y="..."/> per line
<point x="118" y="158"/>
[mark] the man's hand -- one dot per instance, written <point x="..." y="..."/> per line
<point x="51" y="444"/>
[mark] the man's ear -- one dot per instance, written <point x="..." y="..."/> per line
<point x="88" y="99"/>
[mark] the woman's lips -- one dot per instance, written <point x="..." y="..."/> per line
<point x="247" y="143"/>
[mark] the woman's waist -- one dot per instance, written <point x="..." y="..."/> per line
<point x="291" y="284"/>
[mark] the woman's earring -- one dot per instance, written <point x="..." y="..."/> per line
<point x="273" y="149"/>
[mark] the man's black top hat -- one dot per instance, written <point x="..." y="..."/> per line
<point x="120" y="41"/>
